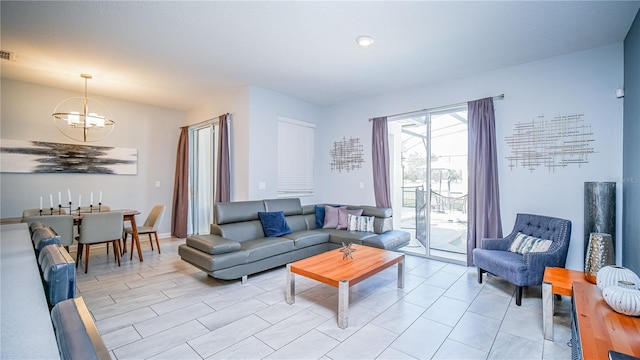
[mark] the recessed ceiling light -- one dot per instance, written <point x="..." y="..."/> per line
<point x="364" y="40"/>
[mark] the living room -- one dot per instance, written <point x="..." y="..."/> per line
<point x="583" y="82"/>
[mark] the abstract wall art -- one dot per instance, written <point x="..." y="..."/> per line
<point x="347" y="155"/>
<point x="20" y="156"/>
<point x="552" y="144"/>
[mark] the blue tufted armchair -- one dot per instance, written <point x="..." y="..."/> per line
<point x="528" y="269"/>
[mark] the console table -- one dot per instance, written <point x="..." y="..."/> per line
<point x="596" y="328"/>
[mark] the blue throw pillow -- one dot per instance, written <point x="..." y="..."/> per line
<point x="273" y="223"/>
<point x="319" y="216"/>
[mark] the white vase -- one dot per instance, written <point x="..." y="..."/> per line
<point x="611" y="274"/>
<point x="623" y="298"/>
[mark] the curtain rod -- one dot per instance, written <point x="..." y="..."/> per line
<point x="205" y="121"/>
<point x="497" y="97"/>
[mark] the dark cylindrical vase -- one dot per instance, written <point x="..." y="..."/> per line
<point x="599" y="210"/>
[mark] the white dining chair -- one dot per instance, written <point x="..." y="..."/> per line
<point x="45" y="212"/>
<point x="150" y="227"/>
<point x="61" y="224"/>
<point x="98" y="228"/>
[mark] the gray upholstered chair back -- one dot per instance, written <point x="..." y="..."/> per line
<point x="155" y="218"/>
<point x="100" y="227"/>
<point x="61" y="224"/>
<point x="46" y="211"/>
<point x="95" y="209"/>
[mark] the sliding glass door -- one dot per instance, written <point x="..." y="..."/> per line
<point x="202" y="177"/>
<point x="431" y="176"/>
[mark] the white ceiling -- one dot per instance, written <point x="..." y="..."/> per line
<point x="180" y="54"/>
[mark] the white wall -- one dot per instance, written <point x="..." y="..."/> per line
<point x="254" y="114"/>
<point x="583" y="82"/>
<point x="26" y="115"/>
<point x="236" y="102"/>
<point x="266" y="107"/>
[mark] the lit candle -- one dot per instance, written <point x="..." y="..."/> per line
<point x="100" y="201"/>
<point x="79" y="200"/>
<point x="51" y="200"/>
<point x="59" y="198"/>
<point x="69" y="193"/>
<point x="40" y="202"/>
<point x="91" y="199"/>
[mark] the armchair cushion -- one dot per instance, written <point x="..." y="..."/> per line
<point x="523" y="244"/>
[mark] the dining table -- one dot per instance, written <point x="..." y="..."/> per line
<point x="127" y="214"/>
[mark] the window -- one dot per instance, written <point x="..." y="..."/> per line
<point x="295" y="157"/>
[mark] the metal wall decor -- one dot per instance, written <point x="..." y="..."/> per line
<point x="20" y="156"/>
<point x="565" y="140"/>
<point x="347" y="155"/>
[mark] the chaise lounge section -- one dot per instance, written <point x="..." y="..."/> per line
<point x="238" y="246"/>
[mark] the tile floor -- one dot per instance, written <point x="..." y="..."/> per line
<point x="163" y="308"/>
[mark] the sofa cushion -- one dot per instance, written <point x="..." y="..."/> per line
<point x="231" y="212"/>
<point x="374" y="211"/>
<point x="290" y="206"/>
<point x="42" y="237"/>
<point x="339" y="236"/>
<point x="240" y="231"/>
<point x="523" y="244"/>
<point x="58" y="273"/>
<point x="390" y="240"/>
<point x="306" y="238"/>
<point x="262" y="248"/>
<point x="210" y="262"/>
<point x="360" y="223"/>
<point x="297" y="222"/>
<point x="212" y="244"/>
<point x="274" y="224"/>
<point x="76" y="333"/>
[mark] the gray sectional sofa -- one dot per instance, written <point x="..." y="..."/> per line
<point x="238" y="247"/>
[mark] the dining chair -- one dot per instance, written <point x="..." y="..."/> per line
<point x="61" y="224"/>
<point x="95" y="209"/>
<point x="150" y="227"/>
<point x="45" y="211"/>
<point x="98" y="228"/>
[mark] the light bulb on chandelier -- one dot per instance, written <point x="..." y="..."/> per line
<point x="73" y="119"/>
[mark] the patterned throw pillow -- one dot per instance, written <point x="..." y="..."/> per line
<point x="360" y="223"/>
<point x="523" y="244"/>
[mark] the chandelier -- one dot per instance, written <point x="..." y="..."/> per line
<point x="82" y="118"/>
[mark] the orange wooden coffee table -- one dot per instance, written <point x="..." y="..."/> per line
<point x="330" y="268"/>
<point x="556" y="281"/>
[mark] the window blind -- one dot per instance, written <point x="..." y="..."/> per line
<point x="295" y="157"/>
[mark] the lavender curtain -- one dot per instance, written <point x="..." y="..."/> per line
<point x="381" y="164"/>
<point x="223" y="173"/>
<point x="484" y="199"/>
<point x="181" y="187"/>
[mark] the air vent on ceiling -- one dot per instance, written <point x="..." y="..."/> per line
<point x="7" y="55"/>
